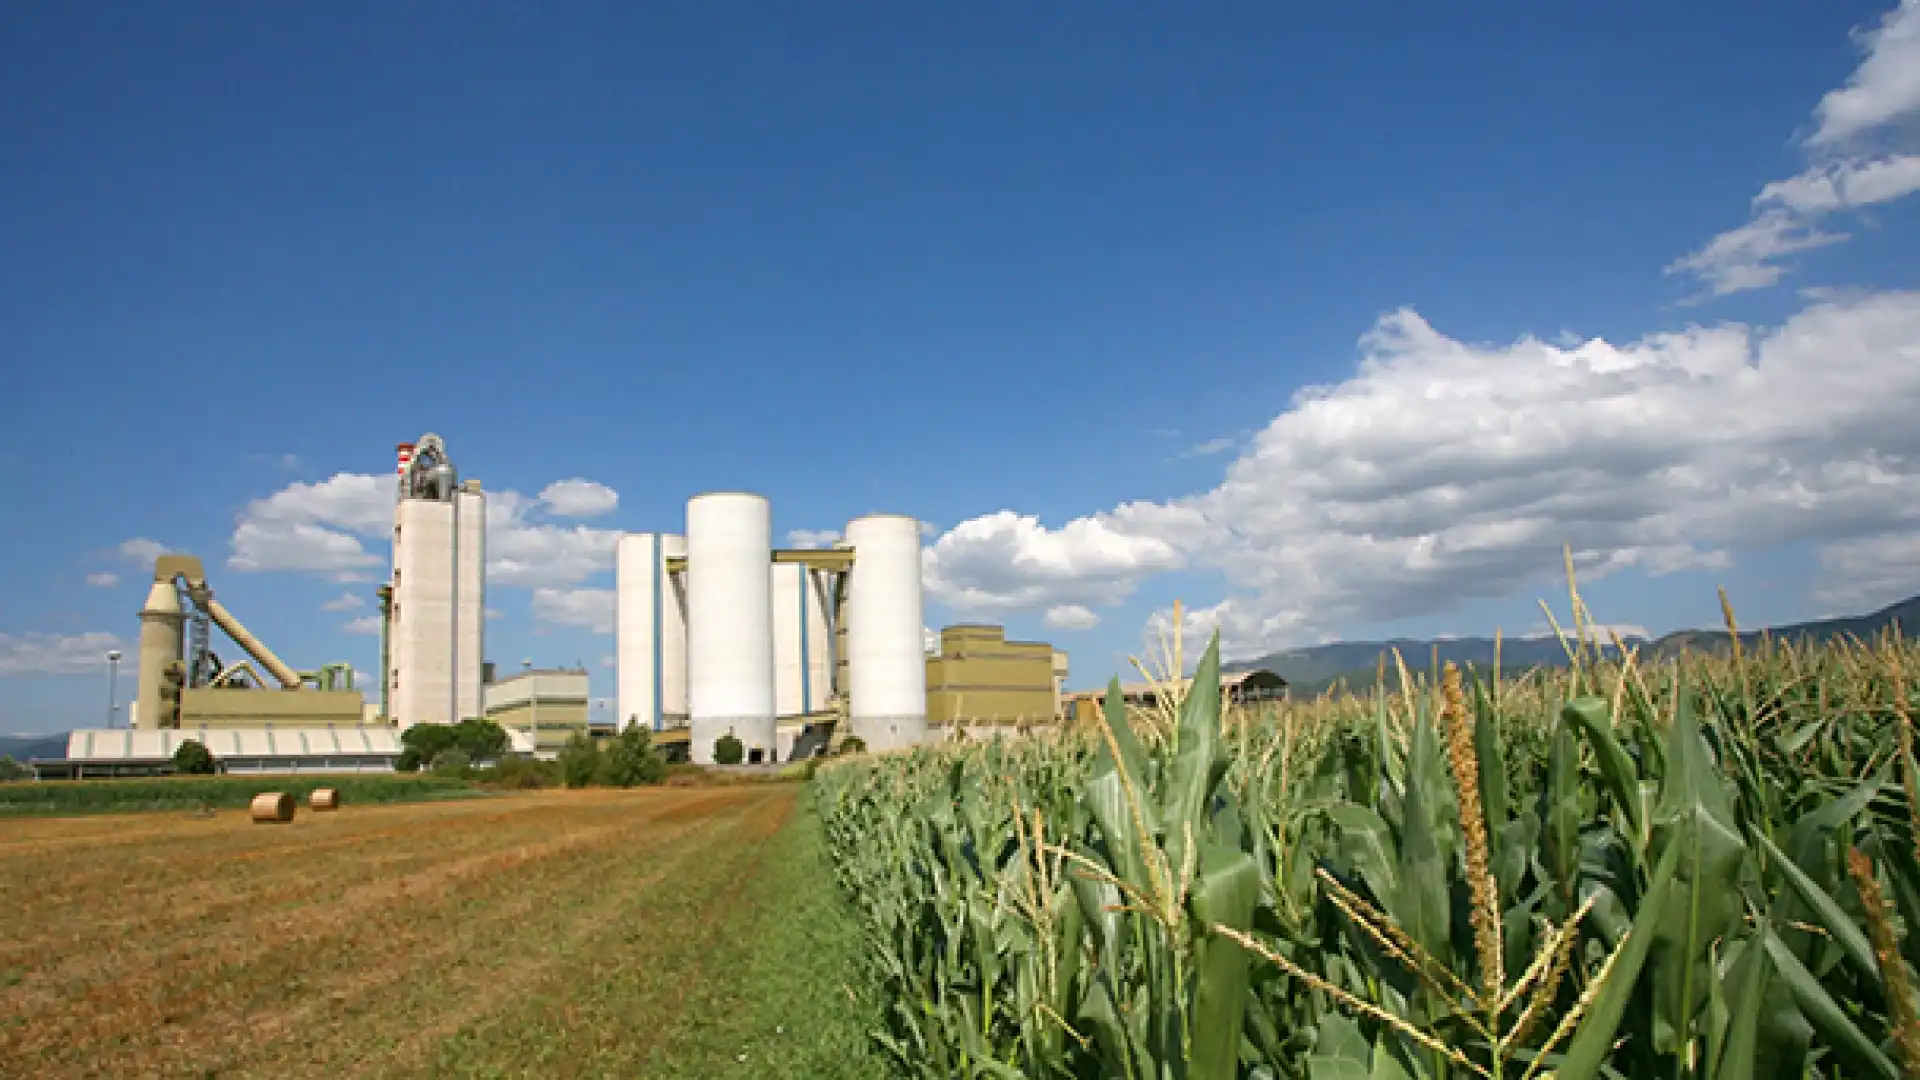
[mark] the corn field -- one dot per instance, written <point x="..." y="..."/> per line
<point x="1703" y="867"/>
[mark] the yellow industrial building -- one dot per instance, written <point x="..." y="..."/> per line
<point x="221" y="708"/>
<point x="976" y="678"/>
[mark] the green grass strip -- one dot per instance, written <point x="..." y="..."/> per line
<point x="64" y="798"/>
<point x="790" y="999"/>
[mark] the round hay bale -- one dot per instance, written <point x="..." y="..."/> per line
<point x="325" y="798"/>
<point x="272" y="807"/>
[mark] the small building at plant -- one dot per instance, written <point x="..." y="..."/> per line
<point x="540" y="709"/>
<point x="976" y="679"/>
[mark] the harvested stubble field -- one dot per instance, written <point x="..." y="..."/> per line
<point x="690" y="932"/>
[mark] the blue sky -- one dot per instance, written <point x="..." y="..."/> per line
<point x="1074" y="265"/>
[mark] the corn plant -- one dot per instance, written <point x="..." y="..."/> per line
<point x="1700" y="867"/>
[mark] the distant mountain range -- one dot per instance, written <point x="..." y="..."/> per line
<point x="24" y="748"/>
<point x="1312" y="670"/>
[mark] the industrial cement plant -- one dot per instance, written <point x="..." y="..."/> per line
<point x="432" y="642"/>
<point x="717" y="633"/>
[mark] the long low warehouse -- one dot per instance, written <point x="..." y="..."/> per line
<point x="123" y="752"/>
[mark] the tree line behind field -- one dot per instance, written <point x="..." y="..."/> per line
<point x="477" y="750"/>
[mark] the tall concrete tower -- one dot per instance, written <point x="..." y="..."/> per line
<point x="469" y="598"/>
<point x="163" y="642"/>
<point x="438" y="606"/>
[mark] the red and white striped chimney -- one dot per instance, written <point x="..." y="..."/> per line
<point x="404" y="451"/>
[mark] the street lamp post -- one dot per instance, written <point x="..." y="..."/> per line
<point x="533" y="703"/>
<point x="113" y="685"/>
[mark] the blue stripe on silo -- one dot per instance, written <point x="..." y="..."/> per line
<point x="658" y="557"/>
<point x="806" y="687"/>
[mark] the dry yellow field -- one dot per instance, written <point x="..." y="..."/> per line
<point x="552" y="934"/>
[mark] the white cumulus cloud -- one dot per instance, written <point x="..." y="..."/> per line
<point x="341" y="528"/>
<point x="317" y="527"/>
<point x="1884" y="88"/>
<point x="141" y="551"/>
<point x="1853" y="163"/>
<point x="1006" y="561"/>
<point x="346" y="601"/>
<point x="365" y="624"/>
<point x="1071" y="617"/>
<point x="813" y="538"/>
<point x="525" y="552"/>
<point x="103" y="579"/>
<point x="1442" y="471"/>
<point x="590" y="609"/>
<point x="56" y="654"/>
<point x="577" y="498"/>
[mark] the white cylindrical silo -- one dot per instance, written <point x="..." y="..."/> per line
<point x="637" y="589"/>
<point x="802" y="647"/>
<point x="730" y="683"/>
<point x="886" y="662"/>
<point x="789" y="638"/>
<point x="650" y="644"/>
<point x="817" y="644"/>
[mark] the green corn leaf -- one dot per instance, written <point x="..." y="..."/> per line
<point x="1746" y="993"/>
<point x="1421" y="901"/>
<point x="1069" y="922"/>
<point x="1340" y="1052"/>
<point x="1785" y="1036"/>
<point x="1562" y="817"/>
<point x="1114" y="813"/>
<point x="1322" y="1067"/>
<point x="1493" y="760"/>
<point x="1826" y="1015"/>
<point x="1195" y="765"/>
<point x="1588" y="1050"/>
<point x="1695" y="814"/>
<point x="1514" y="843"/>
<point x="1795" y="741"/>
<point x="1828" y="913"/>
<point x="1810" y="844"/>
<point x="1809" y="838"/>
<point x="1225" y="892"/>
<point x="1385" y="1065"/>
<point x="1392" y="769"/>
<point x="1099" y="1018"/>
<point x="1366" y="845"/>
<point x="1693" y="777"/>
<point x="1428" y="770"/>
<point x="1904" y="872"/>
<point x="1589" y="716"/>
<point x="1133" y="758"/>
